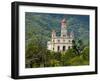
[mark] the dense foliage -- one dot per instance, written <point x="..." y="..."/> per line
<point x="38" y="56"/>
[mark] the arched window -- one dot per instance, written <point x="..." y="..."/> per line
<point x="58" y="48"/>
<point x="69" y="41"/>
<point x="58" y="40"/>
<point x="63" y="40"/>
<point x="64" y="35"/>
<point x="64" y="48"/>
<point x="68" y="47"/>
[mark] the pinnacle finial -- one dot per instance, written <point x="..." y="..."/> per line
<point x="53" y="33"/>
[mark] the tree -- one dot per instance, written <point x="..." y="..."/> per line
<point x="77" y="46"/>
<point x="69" y="54"/>
<point x="85" y="54"/>
<point x="74" y="47"/>
<point x="80" y="46"/>
<point x="35" y="53"/>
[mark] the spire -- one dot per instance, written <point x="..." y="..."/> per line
<point x="63" y="28"/>
<point x="63" y="22"/>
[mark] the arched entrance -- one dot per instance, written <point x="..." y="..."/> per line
<point x="64" y="48"/>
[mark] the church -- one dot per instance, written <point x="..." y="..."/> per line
<point x="62" y="42"/>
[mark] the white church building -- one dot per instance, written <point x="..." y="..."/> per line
<point x="62" y="42"/>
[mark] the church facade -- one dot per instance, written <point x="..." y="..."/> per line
<point x="62" y="42"/>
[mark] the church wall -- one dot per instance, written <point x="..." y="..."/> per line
<point x="62" y="40"/>
<point x="61" y="46"/>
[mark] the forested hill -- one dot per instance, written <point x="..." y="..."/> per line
<point x="38" y="26"/>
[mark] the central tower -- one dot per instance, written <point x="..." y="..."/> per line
<point x="63" y="28"/>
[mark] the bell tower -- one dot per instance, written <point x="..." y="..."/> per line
<point x="63" y="28"/>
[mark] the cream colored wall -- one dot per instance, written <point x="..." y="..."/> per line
<point x="61" y="43"/>
<point x="62" y="40"/>
<point x="61" y="46"/>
